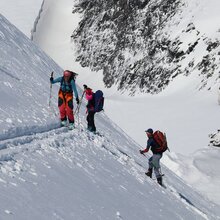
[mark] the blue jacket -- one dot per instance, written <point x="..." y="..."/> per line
<point x="153" y="145"/>
<point x="66" y="87"/>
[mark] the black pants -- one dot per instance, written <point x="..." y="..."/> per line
<point x="90" y="120"/>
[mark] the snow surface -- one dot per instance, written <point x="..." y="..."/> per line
<point x="48" y="172"/>
<point x="52" y="173"/>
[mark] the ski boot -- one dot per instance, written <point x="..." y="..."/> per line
<point x="149" y="172"/>
<point x="92" y="130"/>
<point x="71" y="126"/>
<point x="63" y="123"/>
<point x="89" y="128"/>
<point x="159" y="181"/>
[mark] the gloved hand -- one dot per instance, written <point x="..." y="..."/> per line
<point x="77" y="100"/>
<point x="141" y="151"/>
<point x="51" y="79"/>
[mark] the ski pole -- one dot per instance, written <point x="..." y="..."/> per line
<point x="144" y="155"/>
<point x="51" y="75"/>
<point x="80" y="102"/>
<point x="79" y="105"/>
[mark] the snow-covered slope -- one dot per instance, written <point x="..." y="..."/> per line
<point x="25" y="71"/>
<point x="62" y="174"/>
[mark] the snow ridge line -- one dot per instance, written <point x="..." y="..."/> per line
<point x="17" y="132"/>
<point x="27" y="139"/>
<point x="37" y="20"/>
<point x="21" y="144"/>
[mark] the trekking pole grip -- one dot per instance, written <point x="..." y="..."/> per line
<point x="51" y="76"/>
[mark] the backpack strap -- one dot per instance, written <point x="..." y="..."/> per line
<point x="63" y="85"/>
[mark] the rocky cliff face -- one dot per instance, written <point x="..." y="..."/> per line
<point x="130" y="41"/>
<point x="215" y="139"/>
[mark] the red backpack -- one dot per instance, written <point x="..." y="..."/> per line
<point x="161" y="140"/>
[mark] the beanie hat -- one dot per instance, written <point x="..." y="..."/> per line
<point x="89" y="94"/>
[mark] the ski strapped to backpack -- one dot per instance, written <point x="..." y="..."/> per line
<point x="99" y="101"/>
<point x="79" y="105"/>
<point x="161" y="140"/>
